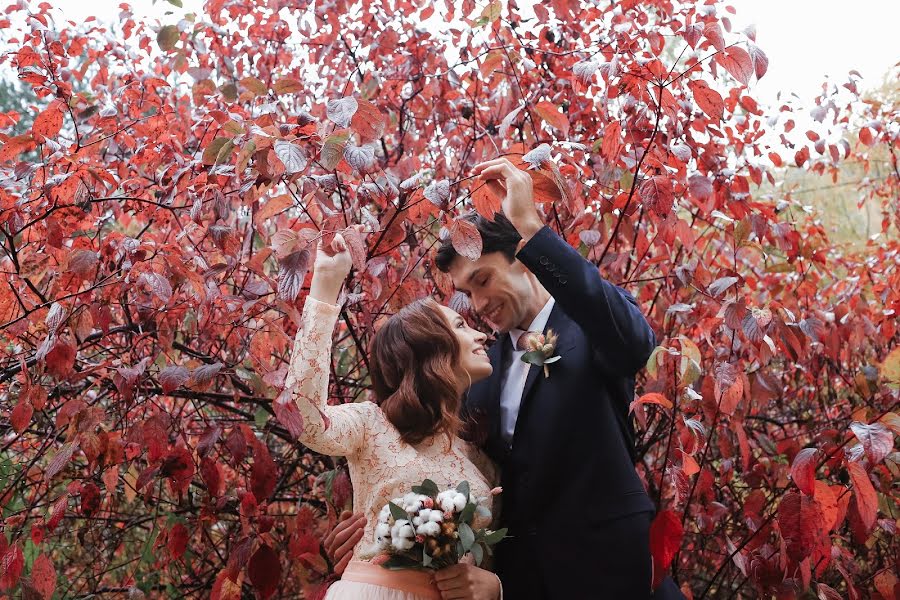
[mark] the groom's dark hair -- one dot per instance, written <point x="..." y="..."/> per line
<point x="497" y="235"/>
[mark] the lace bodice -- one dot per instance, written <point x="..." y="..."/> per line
<point x="382" y="466"/>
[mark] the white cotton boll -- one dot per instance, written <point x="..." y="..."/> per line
<point x="431" y="529"/>
<point x="402" y="544"/>
<point x="385" y="514"/>
<point x="420" y="529"/>
<point x="459" y="502"/>
<point x="436" y="516"/>
<point x="417" y="521"/>
<point x="402" y="529"/>
<point x="446" y="500"/>
<point x="425" y="514"/>
<point x="382" y="530"/>
<point x="409" y="498"/>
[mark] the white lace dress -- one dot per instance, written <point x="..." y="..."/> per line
<point x="381" y="465"/>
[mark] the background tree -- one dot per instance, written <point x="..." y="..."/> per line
<point x="159" y="215"/>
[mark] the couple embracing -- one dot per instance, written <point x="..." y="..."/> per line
<point x="558" y="440"/>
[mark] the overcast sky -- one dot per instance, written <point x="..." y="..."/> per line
<point x="805" y="40"/>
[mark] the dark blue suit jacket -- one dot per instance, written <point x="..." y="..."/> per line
<point x="569" y="467"/>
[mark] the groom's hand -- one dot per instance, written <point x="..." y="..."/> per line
<point x="516" y="188"/>
<point x="345" y="535"/>
<point x="467" y="582"/>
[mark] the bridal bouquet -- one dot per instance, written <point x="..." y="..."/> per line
<point x="431" y="529"/>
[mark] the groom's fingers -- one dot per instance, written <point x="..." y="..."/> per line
<point x="497" y="188"/>
<point x="491" y="163"/>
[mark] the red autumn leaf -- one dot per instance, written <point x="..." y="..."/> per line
<point x="549" y="112"/>
<point x="37" y="534"/>
<point x="178" y="466"/>
<point x="612" y="142"/>
<point x="825" y="592"/>
<point x="43" y="576"/>
<point x="651" y="398"/>
<point x="48" y="123"/>
<point x="709" y="100"/>
<point x="205" y="374"/>
<point x="341" y="490"/>
<point x="729" y="387"/>
<point x="177" y="540"/>
<point x="760" y="60"/>
<point x="15" y="146"/>
<point x="713" y="32"/>
<point x="356" y="244"/>
<point x="264" y="570"/>
<point x="59" y="460"/>
<point x="700" y="186"/>
<point x="21" y="416"/>
<point x="172" y="378"/>
<point x="656" y="194"/>
<point x="737" y="62"/>
<point x="485" y="202"/>
<point x="291" y="274"/>
<point x="263" y="474"/>
<point x="60" y="359"/>
<point x="367" y="121"/>
<point x="90" y="498"/>
<point x="466" y="239"/>
<point x="11" y="563"/>
<point x="288" y="415"/>
<point x="212" y="476"/>
<point x="876" y="439"/>
<point x="866" y="137"/>
<point x="666" y="533"/>
<point x="226" y="586"/>
<point x="800" y="521"/>
<point x="803" y="470"/>
<point x="827" y="503"/>
<point x="863" y="495"/>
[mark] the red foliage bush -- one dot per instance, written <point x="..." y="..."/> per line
<point x="159" y="214"/>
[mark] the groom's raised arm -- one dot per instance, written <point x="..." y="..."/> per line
<point x="610" y="317"/>
<point x="608" y="314"/>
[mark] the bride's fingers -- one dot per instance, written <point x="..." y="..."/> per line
<point x="338" y="244"/>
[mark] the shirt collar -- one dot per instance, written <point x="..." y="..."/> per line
<point x="538" y="324"/>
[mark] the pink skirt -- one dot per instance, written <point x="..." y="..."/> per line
<point x="365" y="581"/>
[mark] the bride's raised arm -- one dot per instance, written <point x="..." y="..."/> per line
<point x="334" y="430"/>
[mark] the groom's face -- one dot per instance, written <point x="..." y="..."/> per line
<point x="499" y="289"/>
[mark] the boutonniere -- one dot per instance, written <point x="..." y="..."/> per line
<point x="539" y="349"/>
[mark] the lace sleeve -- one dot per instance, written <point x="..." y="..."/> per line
<point x="333" y="430"/>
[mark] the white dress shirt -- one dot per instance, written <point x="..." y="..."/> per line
<point x="513" y="383"/>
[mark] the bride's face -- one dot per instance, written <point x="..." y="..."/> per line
<point x="474" y="364"/>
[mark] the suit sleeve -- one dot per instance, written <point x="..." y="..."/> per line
<point x="620" y="335"/>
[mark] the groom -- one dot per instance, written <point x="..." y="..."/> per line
<point x="577" y="513"/>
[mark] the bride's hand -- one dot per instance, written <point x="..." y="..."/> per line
<point x="331" y="268"/>
<point x="467" y="582"/>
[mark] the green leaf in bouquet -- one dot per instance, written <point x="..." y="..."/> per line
<point x="478" y="554"/>
<point x="535" y="357"/>
<point x="495" y="536"/>
<point x="428" y="487"/>
<point x="483" y="511"/>
<point x="426" y="558"/>
<point x="466" y="536"/>
<point x="463" y="488"/>
<point x="467" y="513"/>
<point x="397" y="512"/>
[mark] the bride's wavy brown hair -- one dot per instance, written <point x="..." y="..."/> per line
<point x="412" y="372"/>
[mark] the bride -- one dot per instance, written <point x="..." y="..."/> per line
<point x="423" y="359"/>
